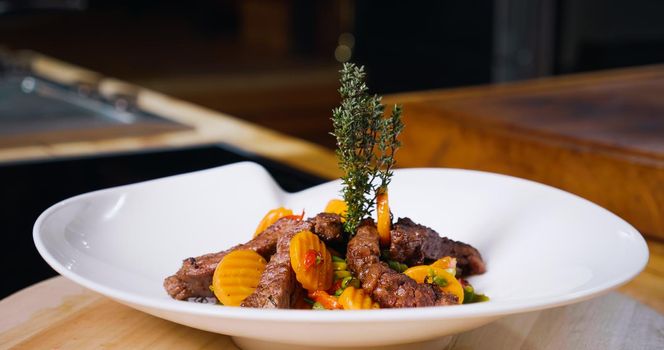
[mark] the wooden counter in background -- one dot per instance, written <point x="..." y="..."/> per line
<point x="450" y="128"/>
<point x="206" y="126"/>
<point x="598" y="135"/>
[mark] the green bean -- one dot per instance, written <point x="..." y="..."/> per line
<point x="339" y="266"/>
<point x="345" y="281"/>
<point x="469" y="295"/>
<point x="397" y="266"/>
<point x="341" y="274"/>
<point x="440" y="281"/>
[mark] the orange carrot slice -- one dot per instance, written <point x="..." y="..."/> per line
<point x="311" y="261"/>
<point x="356" y="299"/>
<point x="271" y="217"/>
<point x="337" y="206"/>
<point x="383" y="220"/>
<point x="432" y="274"/>
<point x="237" y="276"/>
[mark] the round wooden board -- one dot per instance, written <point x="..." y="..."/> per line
<point x="58" y="314"/>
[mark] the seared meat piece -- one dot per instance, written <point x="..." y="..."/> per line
<point x="415" y="244"/>
<point x="328" y="227"/>
<point x="363" y="250"/>
<point x="297" y="299"/>
<point x="195" y="276"/>
<point x="276" y="289"/>
<point x="390" y="289"/>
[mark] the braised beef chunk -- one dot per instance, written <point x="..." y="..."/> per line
<point x="412" y="244"/>
<point x="390" y="289"/>
<point x="195" y="276"/>
<point x="363" y="250"/>
<point x="328" y="227"/>
<point x="415" y="244"/>
<point x="277" y="286"/>
<point x="297" y="298"/>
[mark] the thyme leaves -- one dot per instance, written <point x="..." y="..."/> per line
<point x="366" y="144"/>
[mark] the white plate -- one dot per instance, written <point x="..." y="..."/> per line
<point x="543" y="248"/>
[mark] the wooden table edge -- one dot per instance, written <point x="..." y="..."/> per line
<point x="208" y="127"/>
<point x="37" y="315"/>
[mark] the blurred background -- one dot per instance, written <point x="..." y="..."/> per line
<point x="275" y="63"/>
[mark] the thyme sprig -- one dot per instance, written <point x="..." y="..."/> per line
<point x="366" y="144"/>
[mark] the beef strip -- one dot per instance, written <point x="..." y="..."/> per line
<point x="297" y="299"/>
<point x="195" y="276"/>
<point x="328" y="227"/>
<point x="276" y="289"/>
<point x="389" y="288"/>
<point x="415" y="244"/>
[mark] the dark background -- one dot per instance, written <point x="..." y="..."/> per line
<point x="275" y="62"/>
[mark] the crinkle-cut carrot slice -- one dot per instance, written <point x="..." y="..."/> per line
<point x="237" y="276"/>
<point x="356" y="299"/>
<point x="271" y="217"/>
<point x="311" y="261"/>
<point x="337" y="206"/>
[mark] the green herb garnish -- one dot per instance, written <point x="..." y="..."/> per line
<point x="366" y="144"/>
<point x="469" y="295"/>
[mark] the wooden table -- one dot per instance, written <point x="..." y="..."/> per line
<point x="58" y="314"/>
<point x="599" y="135"/>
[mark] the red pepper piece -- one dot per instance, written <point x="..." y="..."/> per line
<point x="311" y="258"/>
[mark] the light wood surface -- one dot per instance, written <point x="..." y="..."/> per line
<point x="58" y="314"/>
<point x="648" y="286"/>
<point x="599" y="135"/>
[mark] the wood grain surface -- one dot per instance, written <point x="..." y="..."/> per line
<point x="598" y="135"/>
<point x="58" y="314"/>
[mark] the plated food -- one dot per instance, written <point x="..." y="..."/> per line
<point x="341" y="258"/>
<point x="308" y="264"/>
<point x="121" y="242"/>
